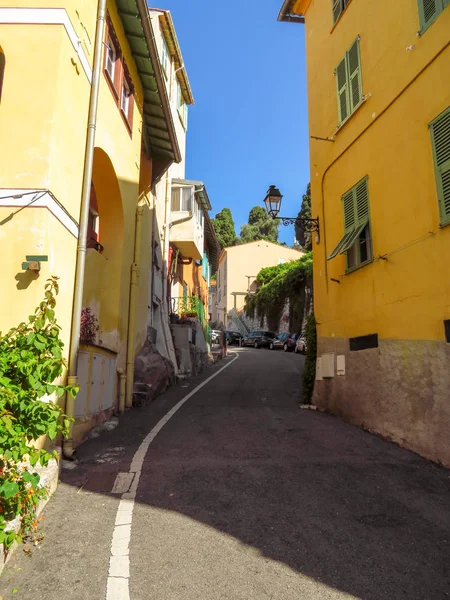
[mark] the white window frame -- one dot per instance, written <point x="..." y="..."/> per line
<point x="125" y="98"/>
<point x="180" y="203"/>
<point x="111" y="58"/>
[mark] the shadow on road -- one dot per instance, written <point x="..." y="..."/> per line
<point x="328" y="500"/>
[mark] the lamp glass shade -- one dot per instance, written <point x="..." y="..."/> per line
<point x="273" y="201"/>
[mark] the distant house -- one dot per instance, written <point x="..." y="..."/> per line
<point x="236" y="275"/>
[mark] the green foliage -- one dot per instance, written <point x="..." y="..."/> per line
<point x="276" y="286"/>
<point x="259" y="227"/>
<point x="224" y="227"/>
<point x="31" y="360"/>
<point x="304" y="239"/>
<point x="309" y="372"/>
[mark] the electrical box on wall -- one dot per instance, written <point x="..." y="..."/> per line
<point x="327" y="365"/>
<point x="340" y="364"/>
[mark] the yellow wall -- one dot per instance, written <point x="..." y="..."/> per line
<point x="43" y="121"/>
<point x="406" y="296"/>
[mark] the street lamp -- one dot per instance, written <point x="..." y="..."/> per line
<point x="273" y="205"/>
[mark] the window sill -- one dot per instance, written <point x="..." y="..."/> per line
<point x="357" y="267"/>
<point x="445" y="223"/>
<point x="349" y="118"/>
<point x="340" y="17"/>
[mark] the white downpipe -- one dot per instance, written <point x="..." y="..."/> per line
<point x="68" y="449"/>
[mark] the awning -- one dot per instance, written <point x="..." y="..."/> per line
<point x="348" y="240"/>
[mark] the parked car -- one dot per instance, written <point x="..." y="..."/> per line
<point x="259" y="339"/>
<point x="285" y="341"/>
<point x="234" y="337"/>
<point x="300" y="346"/>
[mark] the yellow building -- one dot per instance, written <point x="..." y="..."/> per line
<point x="379" y="102"/>
<point x="49" y="78"/>
<point x="236" y="277"/>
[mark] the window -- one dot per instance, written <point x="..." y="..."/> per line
<point x="118" y="76"/>
<point x="165" y="58"/>
<point x="111" y="58"/>
<point x="440" y="138"/>
<point x="127" y="99"/>
<point x="185" y="289"/>
<point x="429" y="10"/>
<point x="181" y="199"/>
<point x="349" y="83"/>
<point x="357" y="242"/>
<point x="338" y="8"/>
<point x="2" y="71"/>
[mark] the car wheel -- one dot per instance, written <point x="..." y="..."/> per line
<point x="255" y="345"/>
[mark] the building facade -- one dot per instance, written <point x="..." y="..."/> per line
<point x="379" y="100"/>
<point x="236" y="275"/>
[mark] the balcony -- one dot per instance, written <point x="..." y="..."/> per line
<point x="191" y="307"/>
<point x="188" y="201"/>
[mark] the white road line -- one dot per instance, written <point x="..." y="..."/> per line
<point x="118" y="585"/>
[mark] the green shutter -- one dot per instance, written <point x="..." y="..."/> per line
<point x="428" y="11"/>
<point x="354" y="75"/>
<point x="342" y="90"/>
<point x="446" y="3"/>
<point x="440" y="136"/>
<point x="362" y="202"/>
<point x="336" y="10"/>
<point x="348" y="201"/>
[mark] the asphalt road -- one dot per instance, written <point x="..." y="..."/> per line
<point x="245" y="496"/>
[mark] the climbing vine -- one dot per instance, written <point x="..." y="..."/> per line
<point x="278" y="285"/>
<point x="31" y="361"/>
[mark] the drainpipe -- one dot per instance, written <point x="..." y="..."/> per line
<point x="122" y="390"/>
<point x="132" y="308"/>
<point x="72" y="378"/>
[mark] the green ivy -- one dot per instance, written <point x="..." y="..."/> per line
<point x="309" y="372"/>
<point x="31" y="360"/>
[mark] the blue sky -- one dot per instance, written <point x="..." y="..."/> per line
<point x="248" y="128"/>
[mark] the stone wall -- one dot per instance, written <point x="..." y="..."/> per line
<point x="400" y="390"/>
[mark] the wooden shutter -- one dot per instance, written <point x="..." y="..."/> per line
<point x="362" y="202"/>
<point x="336" y="10"/>
<point x="428" y="11"/>
<point x="342" y="91"/>
<point x="348" y="201"/>
<point x="440" y="135"/>
<point x="354" y="75"/>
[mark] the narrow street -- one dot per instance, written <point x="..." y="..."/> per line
<point x="243" y="496"/>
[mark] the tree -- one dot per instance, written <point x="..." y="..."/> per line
<point x="259" y="227"/>
<point x="302" y="237"/>
<point x="224" y="228"/>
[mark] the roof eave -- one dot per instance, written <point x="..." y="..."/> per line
<point x="165" y="104"/>
<point x="166" y="18"/>
<point x="287" y="15"/>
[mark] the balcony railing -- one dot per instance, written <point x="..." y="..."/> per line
<point x="192" y="307"/>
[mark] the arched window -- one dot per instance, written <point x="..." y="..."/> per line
<point x="2" y="71"/>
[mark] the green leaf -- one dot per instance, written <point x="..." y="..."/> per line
<point x="50" y="388"/>
<point x="2" y="537"/>
<point x="39" y="345"/>
<point x="9" y="489"/>
<point x="15" y="590"/>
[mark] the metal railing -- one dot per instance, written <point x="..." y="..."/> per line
<point x="192" y="306"/>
